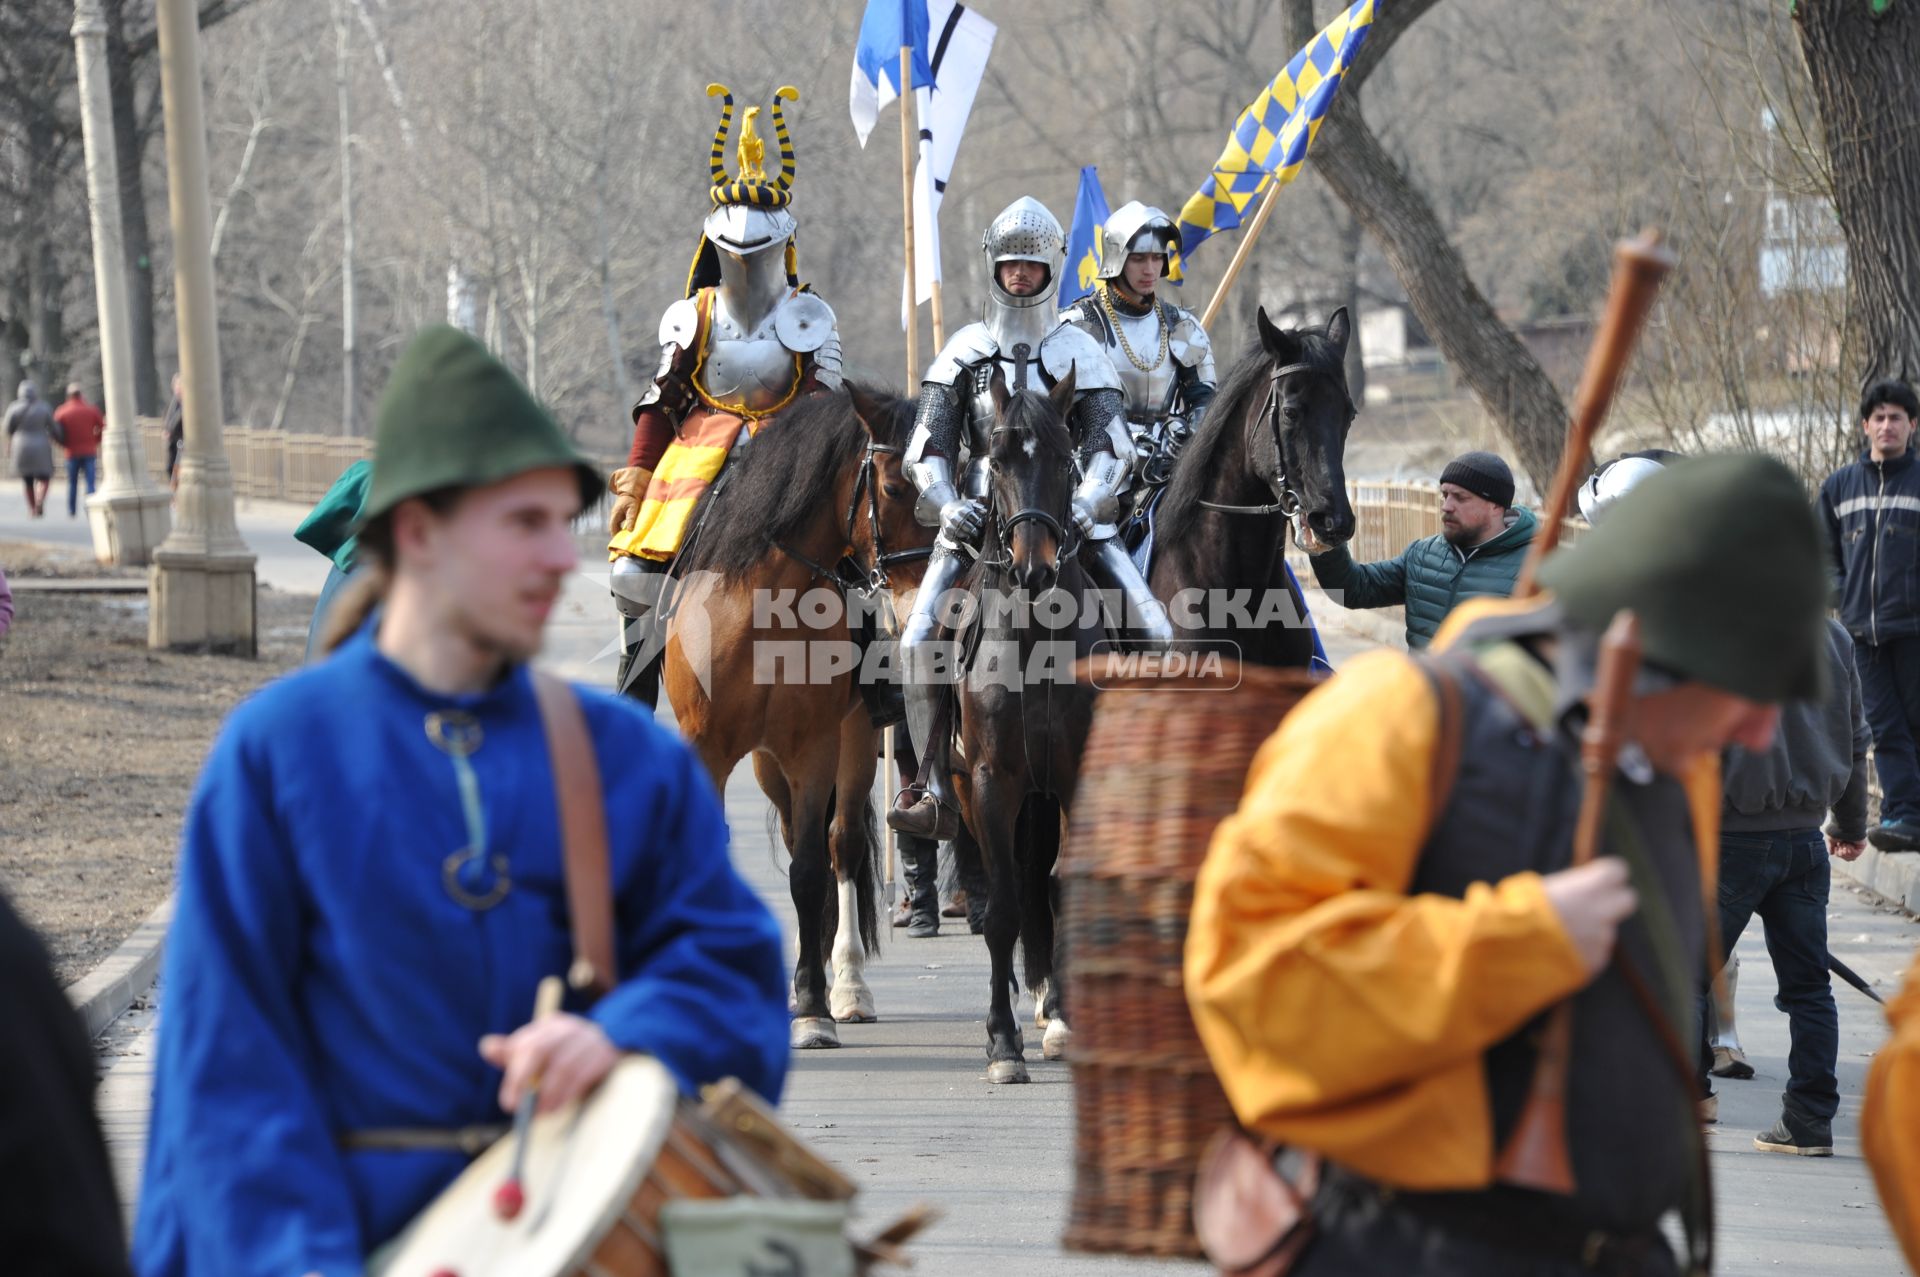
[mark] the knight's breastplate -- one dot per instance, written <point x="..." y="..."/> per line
<point x="1141" y="340"/>
<point x="746" y="370"/>
<point x="979" y="396"/>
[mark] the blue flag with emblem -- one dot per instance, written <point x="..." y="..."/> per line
<point x="1083" y="238"/>
<point x="1270" y="139"/>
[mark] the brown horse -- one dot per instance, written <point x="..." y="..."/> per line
<point x="814" y="529"/>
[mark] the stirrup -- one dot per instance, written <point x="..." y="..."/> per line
<point x="926" y="816"/>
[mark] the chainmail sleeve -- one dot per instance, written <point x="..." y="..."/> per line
<point x="1092" y="413"/>
<point x="937" y="424"/>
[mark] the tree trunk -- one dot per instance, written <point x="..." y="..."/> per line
<point x="1867" y="92"/>
<point x="1502" y="373"/>
<point x="129" y="144"/>
<point x="1350" y="237"/>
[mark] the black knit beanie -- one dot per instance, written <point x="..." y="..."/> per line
<point x="1483" y="474"/>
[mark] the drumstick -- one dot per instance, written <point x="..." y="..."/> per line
<point x="510" y="1196"/>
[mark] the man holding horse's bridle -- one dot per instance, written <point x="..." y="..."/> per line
<point x="1021" y="336"/>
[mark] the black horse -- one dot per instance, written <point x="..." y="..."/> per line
<point x="1270" y="452"/>
<point x="1023" y="722"/>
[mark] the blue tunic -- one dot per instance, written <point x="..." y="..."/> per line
<point x="320" y="979"/>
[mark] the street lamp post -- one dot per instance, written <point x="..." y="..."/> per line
<point x="129" y="515"/>
<point x="202" y="591"/>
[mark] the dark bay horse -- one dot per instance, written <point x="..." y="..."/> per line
<point x="1023" y="721"/>
<point x="1269" y="453"/>
<point x="761" y="659"/>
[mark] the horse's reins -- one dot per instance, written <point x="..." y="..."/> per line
<point x="874" y="575"/>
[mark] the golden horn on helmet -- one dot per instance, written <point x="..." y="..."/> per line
<point x="718" y="163"/>
<point x="791" y="94"/>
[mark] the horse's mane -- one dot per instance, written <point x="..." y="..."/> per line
<point x="1030" y="413"/>
<point x="788" y="474"/>
<point x="1246" y="382"/>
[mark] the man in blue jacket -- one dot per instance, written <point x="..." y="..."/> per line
<point x="1479" y="550"/>
<point x="1872" y="513"/>
<point x="372" y="881"/>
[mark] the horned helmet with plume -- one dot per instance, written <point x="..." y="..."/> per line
<point x="750" y="210"/>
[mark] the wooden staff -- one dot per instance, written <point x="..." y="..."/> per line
<point x="1638" y="267"/>
<point x="1244" y="251"/>
<point x="1536" y="1153"/>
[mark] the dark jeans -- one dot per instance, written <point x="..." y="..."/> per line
<point x="1890" y="685"/>
<point x="1784" y="877"/>
<point x="77" y="466"/>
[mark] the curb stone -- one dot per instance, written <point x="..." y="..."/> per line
<point x="1893" y="877"/>
<point x="103" y="994"/>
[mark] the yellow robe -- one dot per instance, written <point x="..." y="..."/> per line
<point x="1342" y="1014"/>
<point x="1890" y="1117"/>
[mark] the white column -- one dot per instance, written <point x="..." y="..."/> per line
<point x="202" y="592"/>
<point x="129" y="514"/>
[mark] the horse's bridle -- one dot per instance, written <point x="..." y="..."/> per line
<point x="873" y="576"/>
<point x="1066" y="536"/>
<point x="1289" y="502"/>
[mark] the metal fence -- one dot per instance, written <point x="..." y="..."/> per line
<point x="275" y="465"/>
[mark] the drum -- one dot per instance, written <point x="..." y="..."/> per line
<point x="596" y="1177"/>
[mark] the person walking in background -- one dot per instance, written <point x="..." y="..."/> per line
<point x="31" y="431"/>
<point x="81" y="428"/>
<point x="176" y="431"/>
<point x="1872" y="512"/>
<point x="1482" y="542"/>
<point x="1773" y="862"/>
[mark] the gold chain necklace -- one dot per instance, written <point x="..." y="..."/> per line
<point x="1113" y="317"/>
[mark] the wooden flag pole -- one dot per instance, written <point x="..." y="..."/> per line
<point x="906" y="206"/>
<point x="1241" y="254"/>
<point x="939" y="320"/>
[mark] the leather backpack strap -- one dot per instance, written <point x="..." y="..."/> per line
<point x="1444" y="674"/>
<point x="583" y="835"/>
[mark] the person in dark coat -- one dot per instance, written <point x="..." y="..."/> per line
<point x="59" y="1216"/>
<point x="1478" y="552"/>
<point x="1872" y="512"/>
<point x="31" y="432"/>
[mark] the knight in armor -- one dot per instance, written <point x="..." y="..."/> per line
<point x="746" y="341"/>
<point x="1159" y="350"/>
<point x="1021" y="336"/>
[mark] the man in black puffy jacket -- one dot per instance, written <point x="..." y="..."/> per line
<point x="1872" y="512"/>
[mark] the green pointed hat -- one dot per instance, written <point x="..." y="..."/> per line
<point x="1723" y="560"/>
<point x="453" y="416"/>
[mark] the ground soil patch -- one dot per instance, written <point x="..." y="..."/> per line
<point x="100" y="741"/>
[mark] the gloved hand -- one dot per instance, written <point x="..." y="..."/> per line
<point x="1090" y="512"/>
<point x="962" y="520"/>
<point x="629" y="488"/>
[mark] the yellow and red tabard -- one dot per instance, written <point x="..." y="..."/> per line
<point x="1890" y="1117"/>
<point x="1342" y="1013"/>
<point x="695" y="457"/>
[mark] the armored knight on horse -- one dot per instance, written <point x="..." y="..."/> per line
<point x="746" y="341"/>
<point x="1021" y="337"/>
<point x="1159" y="350"/>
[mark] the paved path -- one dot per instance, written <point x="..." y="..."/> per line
<point x="905" y="1109"/>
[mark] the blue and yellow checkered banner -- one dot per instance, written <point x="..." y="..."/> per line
<point x="1271" y="137"/>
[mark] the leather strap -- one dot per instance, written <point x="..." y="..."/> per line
<point x="583" y="835"/>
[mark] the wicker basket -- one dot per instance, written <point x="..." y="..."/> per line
<point x="1165" y="761"/>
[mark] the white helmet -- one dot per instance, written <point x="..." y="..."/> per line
<point x="1136" y="228"/>
<point x="1611" y="482"/>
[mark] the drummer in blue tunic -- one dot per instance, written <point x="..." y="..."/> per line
<point x="371" y="881"/>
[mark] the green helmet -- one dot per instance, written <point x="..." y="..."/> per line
<point x="453" y="416"/>
<point x="1722" y="558"/>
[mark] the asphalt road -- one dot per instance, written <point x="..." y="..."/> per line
<point x="904" y="1106"/>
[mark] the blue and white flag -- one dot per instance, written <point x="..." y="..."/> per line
<point x="1090" y="214"/>
<point x="961" y="40"/>
<point x="888" y="27"/>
